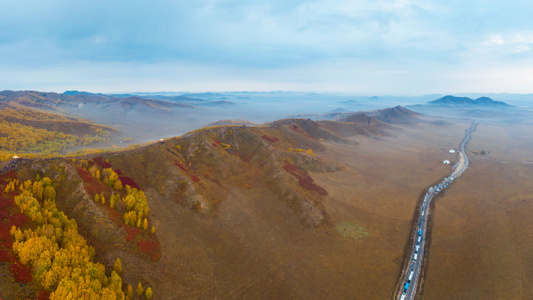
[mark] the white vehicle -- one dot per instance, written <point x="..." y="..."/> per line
<point x="416" y="255"/>
<point x="403" y="297"/>
<point x="411" y="276"/>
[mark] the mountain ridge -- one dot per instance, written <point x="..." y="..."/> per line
<point x="466" y="101"/>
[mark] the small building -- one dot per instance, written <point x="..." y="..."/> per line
<point x="16" y="157"/>
<point x="451" y="151"/>
<point x="446" y="162"/>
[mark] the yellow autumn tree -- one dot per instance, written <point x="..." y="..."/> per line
<point x="117" y="266"/>
<point x="149" y="293"/>
<point x="112" y="201"/>
<point x="118" y="185"/>
<point x="59" y="257"/>
<point x="129" y="292"/>
<point x="145" y="224"/>
<point x="140" y="289"/>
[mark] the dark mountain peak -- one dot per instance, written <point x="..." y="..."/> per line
<point x="452" y="100"/>
<point x="482" y="101"/>
<point x="394" y="115"/>
<point x="404" y="110"/>
<point x="489" y="102"/>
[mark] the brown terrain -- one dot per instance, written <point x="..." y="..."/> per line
<point x="304" y="209"/>
<point x="482" y="241"/>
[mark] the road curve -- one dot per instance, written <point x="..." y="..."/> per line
<point x="410" y="275"/>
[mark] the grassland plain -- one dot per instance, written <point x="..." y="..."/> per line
<point x="378" y="191"/>
<point x="483" y="231"/>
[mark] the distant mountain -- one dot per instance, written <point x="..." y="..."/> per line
<point x="221" y="103"/>
<point x="465" y="101"/>
<point x="395" y="115"/>
<point x="350" y="102"/>
<point x="232" y="122"/>
<point x="338" y="110"/>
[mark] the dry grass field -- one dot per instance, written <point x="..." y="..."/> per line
<point x="242" y="227"/>
<point x="255" y="247"/>
<point x="482" y="242"/>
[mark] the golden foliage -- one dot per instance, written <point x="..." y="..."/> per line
<point x="117" y="266"/>
<point x="149" y="293"/>
<point x="139" y="289"/>
<point x="59" y="256"/>
<point x="129" y="292"/>
<point x="298" y="150"/>
<point x="145" y="224"/>
<point x="29" y="131"/>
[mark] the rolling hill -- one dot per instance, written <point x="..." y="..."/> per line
<point x="209" y="192"/>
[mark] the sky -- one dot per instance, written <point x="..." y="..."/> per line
<point x="362" y="47"/>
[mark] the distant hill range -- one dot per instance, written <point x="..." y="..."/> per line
<point x="465" y="101"/>
<point x="232" y="122"/>
<point x="394" y="115"/>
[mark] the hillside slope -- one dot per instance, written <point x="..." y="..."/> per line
<point x="239" y="212"/>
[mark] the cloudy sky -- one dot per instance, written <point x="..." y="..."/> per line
<point x="401" y="47"/>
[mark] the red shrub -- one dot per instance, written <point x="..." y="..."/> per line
<point x="151" y="248"/>
<point x="270" y="139"/>
<point x="118" y="171"/>
<point x="127" y="180"/>
<point x="21" y="272"/>
<point x="92" y="185"/>
<point x="218" y="143"/>
<point x="193" y="177"/>
<point x="7" y="256"/>
<point x="100" y="161"/>
<point x="304" y="179"/>
<point x="20" y="220"/>
<point x="132" y="232"/>
<point x="298" y="129"/>
<point x="43" y="295"/>
<point x="177" y="163"/>
<point x="8" y="176"/>
<point x="113" y="214"/>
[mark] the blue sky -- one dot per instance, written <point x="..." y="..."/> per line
<point x="403" y="47"/>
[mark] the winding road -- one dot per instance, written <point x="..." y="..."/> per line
<point x="410" y="276"/>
